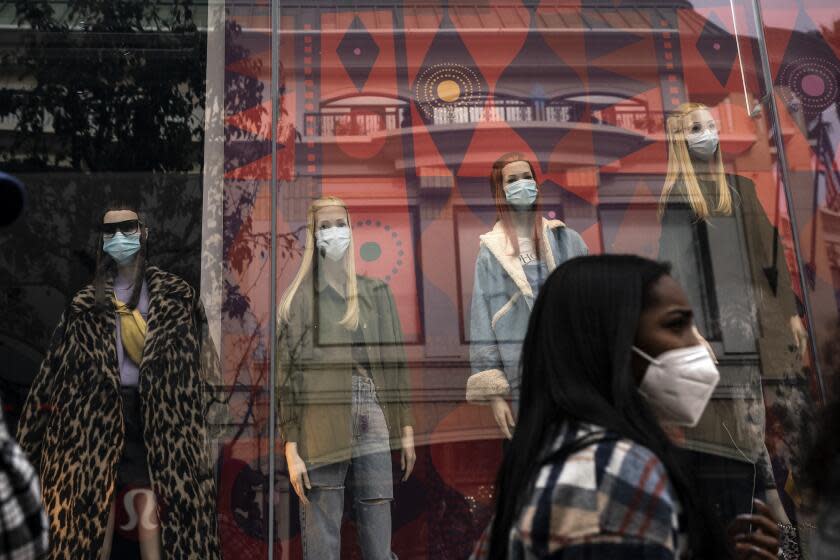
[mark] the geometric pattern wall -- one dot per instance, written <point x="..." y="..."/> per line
<point x="400" y="110"/>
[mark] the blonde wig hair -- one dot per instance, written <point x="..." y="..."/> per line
<point x="350" y="321"/>
<point x="680" y="167"/>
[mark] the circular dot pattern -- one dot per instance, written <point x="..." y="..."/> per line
<point x="445" y="85"/>
<point x="813" y="85"/>
<point x="814" y="81"/>
<point x="372" y="251"/>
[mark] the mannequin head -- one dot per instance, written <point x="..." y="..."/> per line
<point x="325" y="213"/>
<point x="577" y="366"/>
<point x="507" y="169"/>
<point x="120" y="219"/>
<point x="686" y="127"/>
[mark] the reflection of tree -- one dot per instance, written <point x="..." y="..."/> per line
<point x="107" y="101"/>
<point x="116" y="86"/>
<point x="246" y="247"/>
<point x="245" y="254"/>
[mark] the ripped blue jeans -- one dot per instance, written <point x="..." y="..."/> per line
<point x="368" y="477"/>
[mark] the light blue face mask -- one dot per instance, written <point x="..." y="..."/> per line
<point x="521" y="194"/>
<point x="703" y="145"/>
<point x="121" y="247"/>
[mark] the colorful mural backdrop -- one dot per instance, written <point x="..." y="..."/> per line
<point x="400" y="109"/>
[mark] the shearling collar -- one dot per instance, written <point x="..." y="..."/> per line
<point x="496" y="240"/>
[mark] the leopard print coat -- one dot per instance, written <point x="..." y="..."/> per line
<point x="72" y="423"/>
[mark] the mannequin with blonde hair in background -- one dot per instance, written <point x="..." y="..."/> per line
<point x="703" y="206"/>
<point x="343" y="390"/>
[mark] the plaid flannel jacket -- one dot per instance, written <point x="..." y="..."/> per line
<point x="23" y="522"/>
<point x="609" y="499"/>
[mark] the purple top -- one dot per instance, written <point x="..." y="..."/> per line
<point x="129" y="371"/>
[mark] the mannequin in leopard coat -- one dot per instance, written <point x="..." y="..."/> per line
<point x="72" y="424"/>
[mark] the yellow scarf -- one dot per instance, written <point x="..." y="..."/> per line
<point x="132" y="331"/>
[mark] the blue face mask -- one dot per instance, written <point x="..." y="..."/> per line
<point x="521" y="194"/>
<point x="121" y="247"/>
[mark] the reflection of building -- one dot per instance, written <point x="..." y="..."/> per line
<point x="404" y="126"/>
<point x="401" y="112"/>
<point x="82" y="113"/>
<point x="409" y="125"/>
<point x="369" y="115"/>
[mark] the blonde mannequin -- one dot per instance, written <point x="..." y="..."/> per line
<point x="682" y="168"/>
<point x="343" y="390"/>
<point x="696" y="182"/>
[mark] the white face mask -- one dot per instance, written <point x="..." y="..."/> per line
<point x="333" y="242"/>
<point x="703" y="145"/>
<point x="679" y="383"/>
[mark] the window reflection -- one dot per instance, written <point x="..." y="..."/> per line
<point x="401" y="110"/>
<point x="421" y="142"/>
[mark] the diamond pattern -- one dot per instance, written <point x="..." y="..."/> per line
<point x="358" y="53"/>
<point x="600" y="44"/>
<point x="448" y="62"/>
<point x="523" y="80"/>
<point x="718" y="48"/>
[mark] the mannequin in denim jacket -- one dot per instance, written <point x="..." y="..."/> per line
<point x="514" y="260"/>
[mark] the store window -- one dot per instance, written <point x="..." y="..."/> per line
<point x="316" y="182"/>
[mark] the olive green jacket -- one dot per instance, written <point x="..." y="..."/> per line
<point x="314" y="381"/>
<point x="773" y="309"/>
<point x="743" y="410"/>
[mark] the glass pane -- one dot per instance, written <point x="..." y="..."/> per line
<point x="406" y="268"/>
<point x="138" y="108"/>
<point x="398" y="112"/>
<point x="240" y="183"/>
<point x="802" y="50"/>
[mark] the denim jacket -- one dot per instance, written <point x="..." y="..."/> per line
<point x="501" y="305"/>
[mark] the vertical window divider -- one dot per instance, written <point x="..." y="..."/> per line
<point x="740" y="60"/>
<point x="272" y="321"/>
<point x="778" y="139"/>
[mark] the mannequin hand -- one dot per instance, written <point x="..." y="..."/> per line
<point x="297" y="472"/>
<point x="503" y="416"/>
<point x="407" y="456"/>
<point x="800" y="334"/>
<point x="774" y="502"/>
<point x="754" y="536"/>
